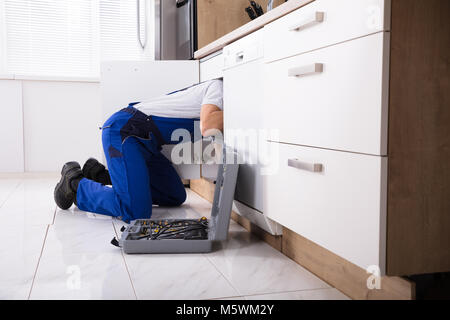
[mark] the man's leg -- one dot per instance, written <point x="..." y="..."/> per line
<point x="130" y="196"/>
<point x="94" y="170"/>
<point x="166" y="185"/>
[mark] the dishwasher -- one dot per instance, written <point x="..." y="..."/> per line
<point x="243" y="98"/>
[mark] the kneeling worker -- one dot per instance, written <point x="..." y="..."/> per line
<point x="139" y="173"/>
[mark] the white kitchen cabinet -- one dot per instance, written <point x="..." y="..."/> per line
<point x="323" y="23"/>
<point x="123" y="82"/>
<point x="335" y="199"/>
<point x="332" y="70"/>
<point x="11" y="126"/>
<point x="334" y="98"/>
<point x="326" y="89"/>
<point x="211" y="67"/>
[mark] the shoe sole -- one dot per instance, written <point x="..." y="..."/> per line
<point x="64" y="203"/>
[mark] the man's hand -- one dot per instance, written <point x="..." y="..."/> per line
<point x="211" y="117"/>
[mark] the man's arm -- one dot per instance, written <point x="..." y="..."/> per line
<point x="211" y="117"/>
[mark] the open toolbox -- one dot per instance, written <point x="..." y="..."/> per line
<point x="186" y="235"/>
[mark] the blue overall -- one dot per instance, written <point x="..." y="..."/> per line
<point x="141" y="176"/>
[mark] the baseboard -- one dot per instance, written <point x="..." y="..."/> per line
<point x="342" y="274"/>
<point x="336" y="271"/>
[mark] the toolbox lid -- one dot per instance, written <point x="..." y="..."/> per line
<point x="223" y="195"/>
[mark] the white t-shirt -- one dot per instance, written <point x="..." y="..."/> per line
<point x="185" y="103"/>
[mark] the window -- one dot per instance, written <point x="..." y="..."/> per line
<point x="68" y="37"/>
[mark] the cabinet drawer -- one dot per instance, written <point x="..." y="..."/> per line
<point x="333" y="98"/>
<point x="335" y="199"/>
<point x="323" y="23"/>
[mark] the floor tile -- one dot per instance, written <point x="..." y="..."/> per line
<point x="76" y="232"/>
<point x="20" y="251"/>
<point x="31" y="203"/>
<point x="253" y="267"/>
<point x="320" y="294"/>
<point x="7" y="186"/>
<point x="177" y="276"/>
<point x="82" y="276"/>
<point x="78" y="261"/>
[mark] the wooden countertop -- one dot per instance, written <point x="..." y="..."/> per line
<point x="250" y="27"/>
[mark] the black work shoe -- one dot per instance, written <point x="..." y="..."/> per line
<point x="94" y="170"/>
<point x="64" y="193"/>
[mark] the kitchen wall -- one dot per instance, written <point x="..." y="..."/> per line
<point x="61" y="123"/>
<point x="44" y="124"/>
<point x="11" y="126"/>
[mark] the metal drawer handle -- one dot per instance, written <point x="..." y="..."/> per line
<point x="312" y="167"/>
<point x="305" y="70"/>
<point x="318" y="18"/>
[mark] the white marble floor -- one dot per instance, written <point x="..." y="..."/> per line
<point x="47" y="253"/>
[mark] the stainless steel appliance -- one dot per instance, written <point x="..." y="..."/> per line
<point x="176" y="29"/>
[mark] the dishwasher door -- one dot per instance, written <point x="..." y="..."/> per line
<point x="242" y="114"/>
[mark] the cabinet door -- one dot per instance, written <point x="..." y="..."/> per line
<point x="11" y="126"/>
<point x="211" y="68"/>
<point x="123" y="82"/>
<point x="242" y="101"/>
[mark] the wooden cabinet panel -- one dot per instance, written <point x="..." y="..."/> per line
<point x="216" y="18"/>
<point x="419" y="138"/>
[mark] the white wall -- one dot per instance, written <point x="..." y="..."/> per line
<point x="56" y="122"/>
<point x="61" y="123"/>
<point x="11" y="126"/>
<point x="44" y="124"/>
